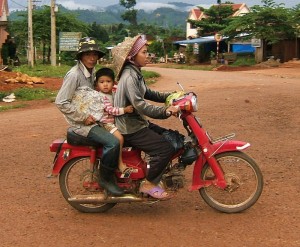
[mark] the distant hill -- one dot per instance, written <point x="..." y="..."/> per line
<point x="164" y="17"/>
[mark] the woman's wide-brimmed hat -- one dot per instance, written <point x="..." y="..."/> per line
<point x="121" y="52"/>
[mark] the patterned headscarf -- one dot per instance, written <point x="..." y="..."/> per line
<point x="136" y="47"/>
<point x="125" y="51"/>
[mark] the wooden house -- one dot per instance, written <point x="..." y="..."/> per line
<point x="197" y="14"/>
<point x="3" y="23"/>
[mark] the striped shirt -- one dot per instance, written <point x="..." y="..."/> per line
<point x="109" y="110"/>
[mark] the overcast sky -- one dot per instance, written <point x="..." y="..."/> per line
<point x="141" y="4"/>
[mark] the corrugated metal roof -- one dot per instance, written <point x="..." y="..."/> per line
<point x="200" y="40"/>
<point x="206" y="39"/>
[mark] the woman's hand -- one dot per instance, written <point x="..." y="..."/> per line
<point x="172" y="110"/>
<point x="90" y="120"/>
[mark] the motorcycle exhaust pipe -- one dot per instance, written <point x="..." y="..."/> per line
<point x="100" y="198"/>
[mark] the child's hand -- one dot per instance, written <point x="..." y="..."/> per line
<point x="128" y="109"/>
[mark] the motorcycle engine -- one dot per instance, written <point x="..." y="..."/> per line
<point x="174" y="179"/>
<point x="189" y="155"/>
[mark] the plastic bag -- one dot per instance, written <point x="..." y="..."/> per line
<point x="173" y="96"/>
<point x="175" y="138"/>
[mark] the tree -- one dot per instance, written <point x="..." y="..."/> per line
<point x="65" y="22"/>
<point x="295" y="18"/>
<point x="98" y="32"/>
<point x="218" y="17"/>
<point x="130" y="14"/>
<point x="270" y="22"/>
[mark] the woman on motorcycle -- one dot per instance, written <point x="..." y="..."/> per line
<point x="129" y="57"/>
<point x="83" y="74"/>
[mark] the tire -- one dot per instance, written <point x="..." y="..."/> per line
<point x="244" y="183"/>
<point x="71" y="182"/>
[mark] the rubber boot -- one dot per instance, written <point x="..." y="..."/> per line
<point x="107" y="181"/>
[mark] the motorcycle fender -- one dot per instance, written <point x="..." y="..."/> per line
<point x="216" y="148"/>
<point x="232" y="145"/>
<point x="69" y="152"/>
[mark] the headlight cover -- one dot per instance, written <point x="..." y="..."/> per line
<point x="194" y="103"/>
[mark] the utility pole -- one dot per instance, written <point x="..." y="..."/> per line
<point x="30" y="35"/>
<point x="53" y="33"/>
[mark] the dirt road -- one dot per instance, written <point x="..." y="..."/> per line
<point x="261" y="107"/>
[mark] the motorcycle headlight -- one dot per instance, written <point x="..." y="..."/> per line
<point x="187" y="103"/>
<point x="194" y="103"/>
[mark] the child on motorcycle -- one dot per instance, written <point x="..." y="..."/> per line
<point x="104" y="84"/>
<point x="99" y="104"/>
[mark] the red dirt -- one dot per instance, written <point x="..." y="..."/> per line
<point x="260" y="106"/>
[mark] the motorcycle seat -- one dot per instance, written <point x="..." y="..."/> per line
<point x="79" y="140"/>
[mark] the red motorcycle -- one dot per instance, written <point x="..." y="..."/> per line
<point x="227" y="179"/>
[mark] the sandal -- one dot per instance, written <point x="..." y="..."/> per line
<point x="127" y="171"/>
<point x="156" y="192"/>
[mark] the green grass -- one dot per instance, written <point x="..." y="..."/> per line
<point x="33" y="93"/>
<point x="25" y="94"/>
<point x="150" y="76"/>
<point x="188" y="66"/>
<point x="9" y="107"/>
<point x="3" y="94"/>
<point x="43" y="70"/>
<point x="244" y="61"/>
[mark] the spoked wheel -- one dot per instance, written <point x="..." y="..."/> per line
<point x="79" y="177"/>
<point x="244" y="183"/>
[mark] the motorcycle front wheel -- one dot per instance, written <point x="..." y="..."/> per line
<point x="79" y="177"/>
<point x="244" y="181"/>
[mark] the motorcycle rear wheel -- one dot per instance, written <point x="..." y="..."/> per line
<point x="244" y="183"/>
<point x="72" y="180"/>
